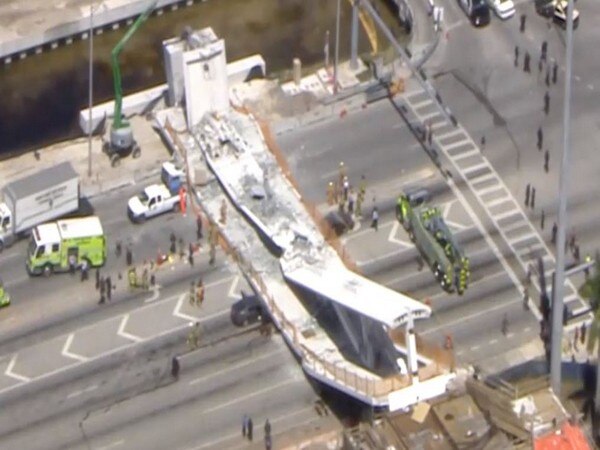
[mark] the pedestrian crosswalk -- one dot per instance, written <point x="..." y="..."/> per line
<point x="485" y="183"/>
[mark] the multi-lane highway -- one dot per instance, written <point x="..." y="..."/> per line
<point x="78" y="374"/>
<point x="474" y="320"/>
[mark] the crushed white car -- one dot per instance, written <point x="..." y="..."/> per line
<point x="504" y="9"/>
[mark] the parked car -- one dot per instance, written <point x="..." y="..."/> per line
<point x="477" y="11"/>
<point x="557" y="10"/>
<point x="247" y="311"/>
<point x="504" y="9"/>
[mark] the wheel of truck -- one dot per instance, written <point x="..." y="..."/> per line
<point x="460" y="291"/>
<point x="115" y="160"/>
<point x="47" y="270"/>
<point x="137" y="152"/>
<point x="1" y="246"/>
<point x="176" y="207"/>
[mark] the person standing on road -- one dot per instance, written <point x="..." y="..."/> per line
<point x="118" y="249"/>
<point x="200" y="292"/>
<point x="245" y="420"/>
<point x="526" y="62"/>
<point x="267" y="428"/>
<point x="542" y="220"/>
<point x="72" y="264"/>
<point x="108" y="288"/>
<point x="532" y="198"/>
<point x="191" y="255"/>
<point x="527" y="194"/>
<point x="84" y="270"/>
<point x="102" y="290"/>
<point x="547" y="161"/>
<point x="175" y="367"/>
<point x="375" y="219"/>
<point x="522" y="25"/>
<point x="540" y="138"/>
<point x="250" y="426"/>
<point x="554" y="72"/>
<point x="516" y="56"/>
<point x="554" y="231"/>
<point x="505" y="324"/>
<point x="544" y="51"/>
<point x="173" y="246"/>
<point x="128" y="256"/>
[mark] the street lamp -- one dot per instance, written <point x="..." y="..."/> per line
<point x="337" y="48"/>
<point x="90" y="87"/>
<point x="559" y="281"/>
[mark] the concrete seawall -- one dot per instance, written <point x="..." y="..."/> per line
<point x="108" y="14"/>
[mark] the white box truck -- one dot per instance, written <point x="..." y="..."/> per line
<point x="43" y="196"/>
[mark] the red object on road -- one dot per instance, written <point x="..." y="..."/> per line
<point x="182" y="199"/>
<point x="569" y="437"/>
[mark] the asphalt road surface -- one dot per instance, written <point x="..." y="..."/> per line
<point x="376" y="142"/>
<point x="78" y="374"/>
<point x="474" y="70"/>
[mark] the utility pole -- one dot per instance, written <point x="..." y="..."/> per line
<point x="559" y="281"/>
<point x="354" y="37"/>
<point x="337" y="48"/>
<point x="90" y="87"/>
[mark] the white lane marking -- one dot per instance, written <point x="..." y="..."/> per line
<point x="590" y="87"/>
<point x="9" y="370"/>
<point x="177" y="311"/>
<point x="254" y="394"/>
<point x="392" y="236"/>
<point x="488" y="189"/>
<point x="497" y="201"/>
<point x="505" y="214"/>
<point x="464" y="155"/>
<point x="112" y="445"/>
<point x="155" y="296"/>
<point x="124" y="333"/>
<point x="455" y="144"/>
<point x="527" y="329"/>
<point x="233" y="288"/>
<point x="67" y="353"/>
<point x="216" y="442"/>
<point x="366" y="262"/>
<point x="517" y="224"/>
<point x="422" y="103"/>
<point x="74" y="394"/>
<point x="474" y="348"/>
<point x="475" y="168"/>
<point x="522" y="238"/>
<point x="236" y="366"/>
<point x="360" y="233"/>
<point x="493" y="341"/>
<point x="509" y="335"/>
<point x="480" y="178"/>
<point x="430" y="115"/>
<point x="453" y="132"/>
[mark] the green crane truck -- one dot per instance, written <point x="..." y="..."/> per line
<point x="55" y="246"/>
<point x="426" y="228"/>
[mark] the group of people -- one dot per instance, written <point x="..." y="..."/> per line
<point x="247" y="431"/>
<point x="342" y="193"/>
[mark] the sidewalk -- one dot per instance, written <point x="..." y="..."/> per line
<point x="104" y="177"/>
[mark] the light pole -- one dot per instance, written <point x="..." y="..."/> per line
<point x="90" y="88"/>
<point x="559" y="281"/>
<point x="337" y="48"/>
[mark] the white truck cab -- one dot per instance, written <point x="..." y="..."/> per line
<point x="153" y="200"/>
<point x="504" y="9"/>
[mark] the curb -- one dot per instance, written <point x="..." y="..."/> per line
<point x="93" y="192"/>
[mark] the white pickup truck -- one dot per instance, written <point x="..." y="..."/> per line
<point x="154" y="200"/>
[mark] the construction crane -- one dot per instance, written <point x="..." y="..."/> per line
<point x="122" y="141"/>
<point x="426" y="228"/>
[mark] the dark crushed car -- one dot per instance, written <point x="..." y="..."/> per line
<point x="247" y="311"/>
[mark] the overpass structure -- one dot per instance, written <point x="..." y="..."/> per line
<point x="344" y="328"/>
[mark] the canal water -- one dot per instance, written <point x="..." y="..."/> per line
<point x="41" y="96"/>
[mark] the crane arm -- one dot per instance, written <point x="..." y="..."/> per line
<point x="114" y="57"/>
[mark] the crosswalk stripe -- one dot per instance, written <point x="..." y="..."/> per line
<point x="417" y="105"/>
<point x="450" y="133"/>
<point x="488" y="189"/>
<point x="475" y="168"/>
<point x="429" y="115"/>
<point x="508" y="213"/>
<point x="465" y="154"/>
<point x="455" y="144"/>
<point x="499" y="201"/>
